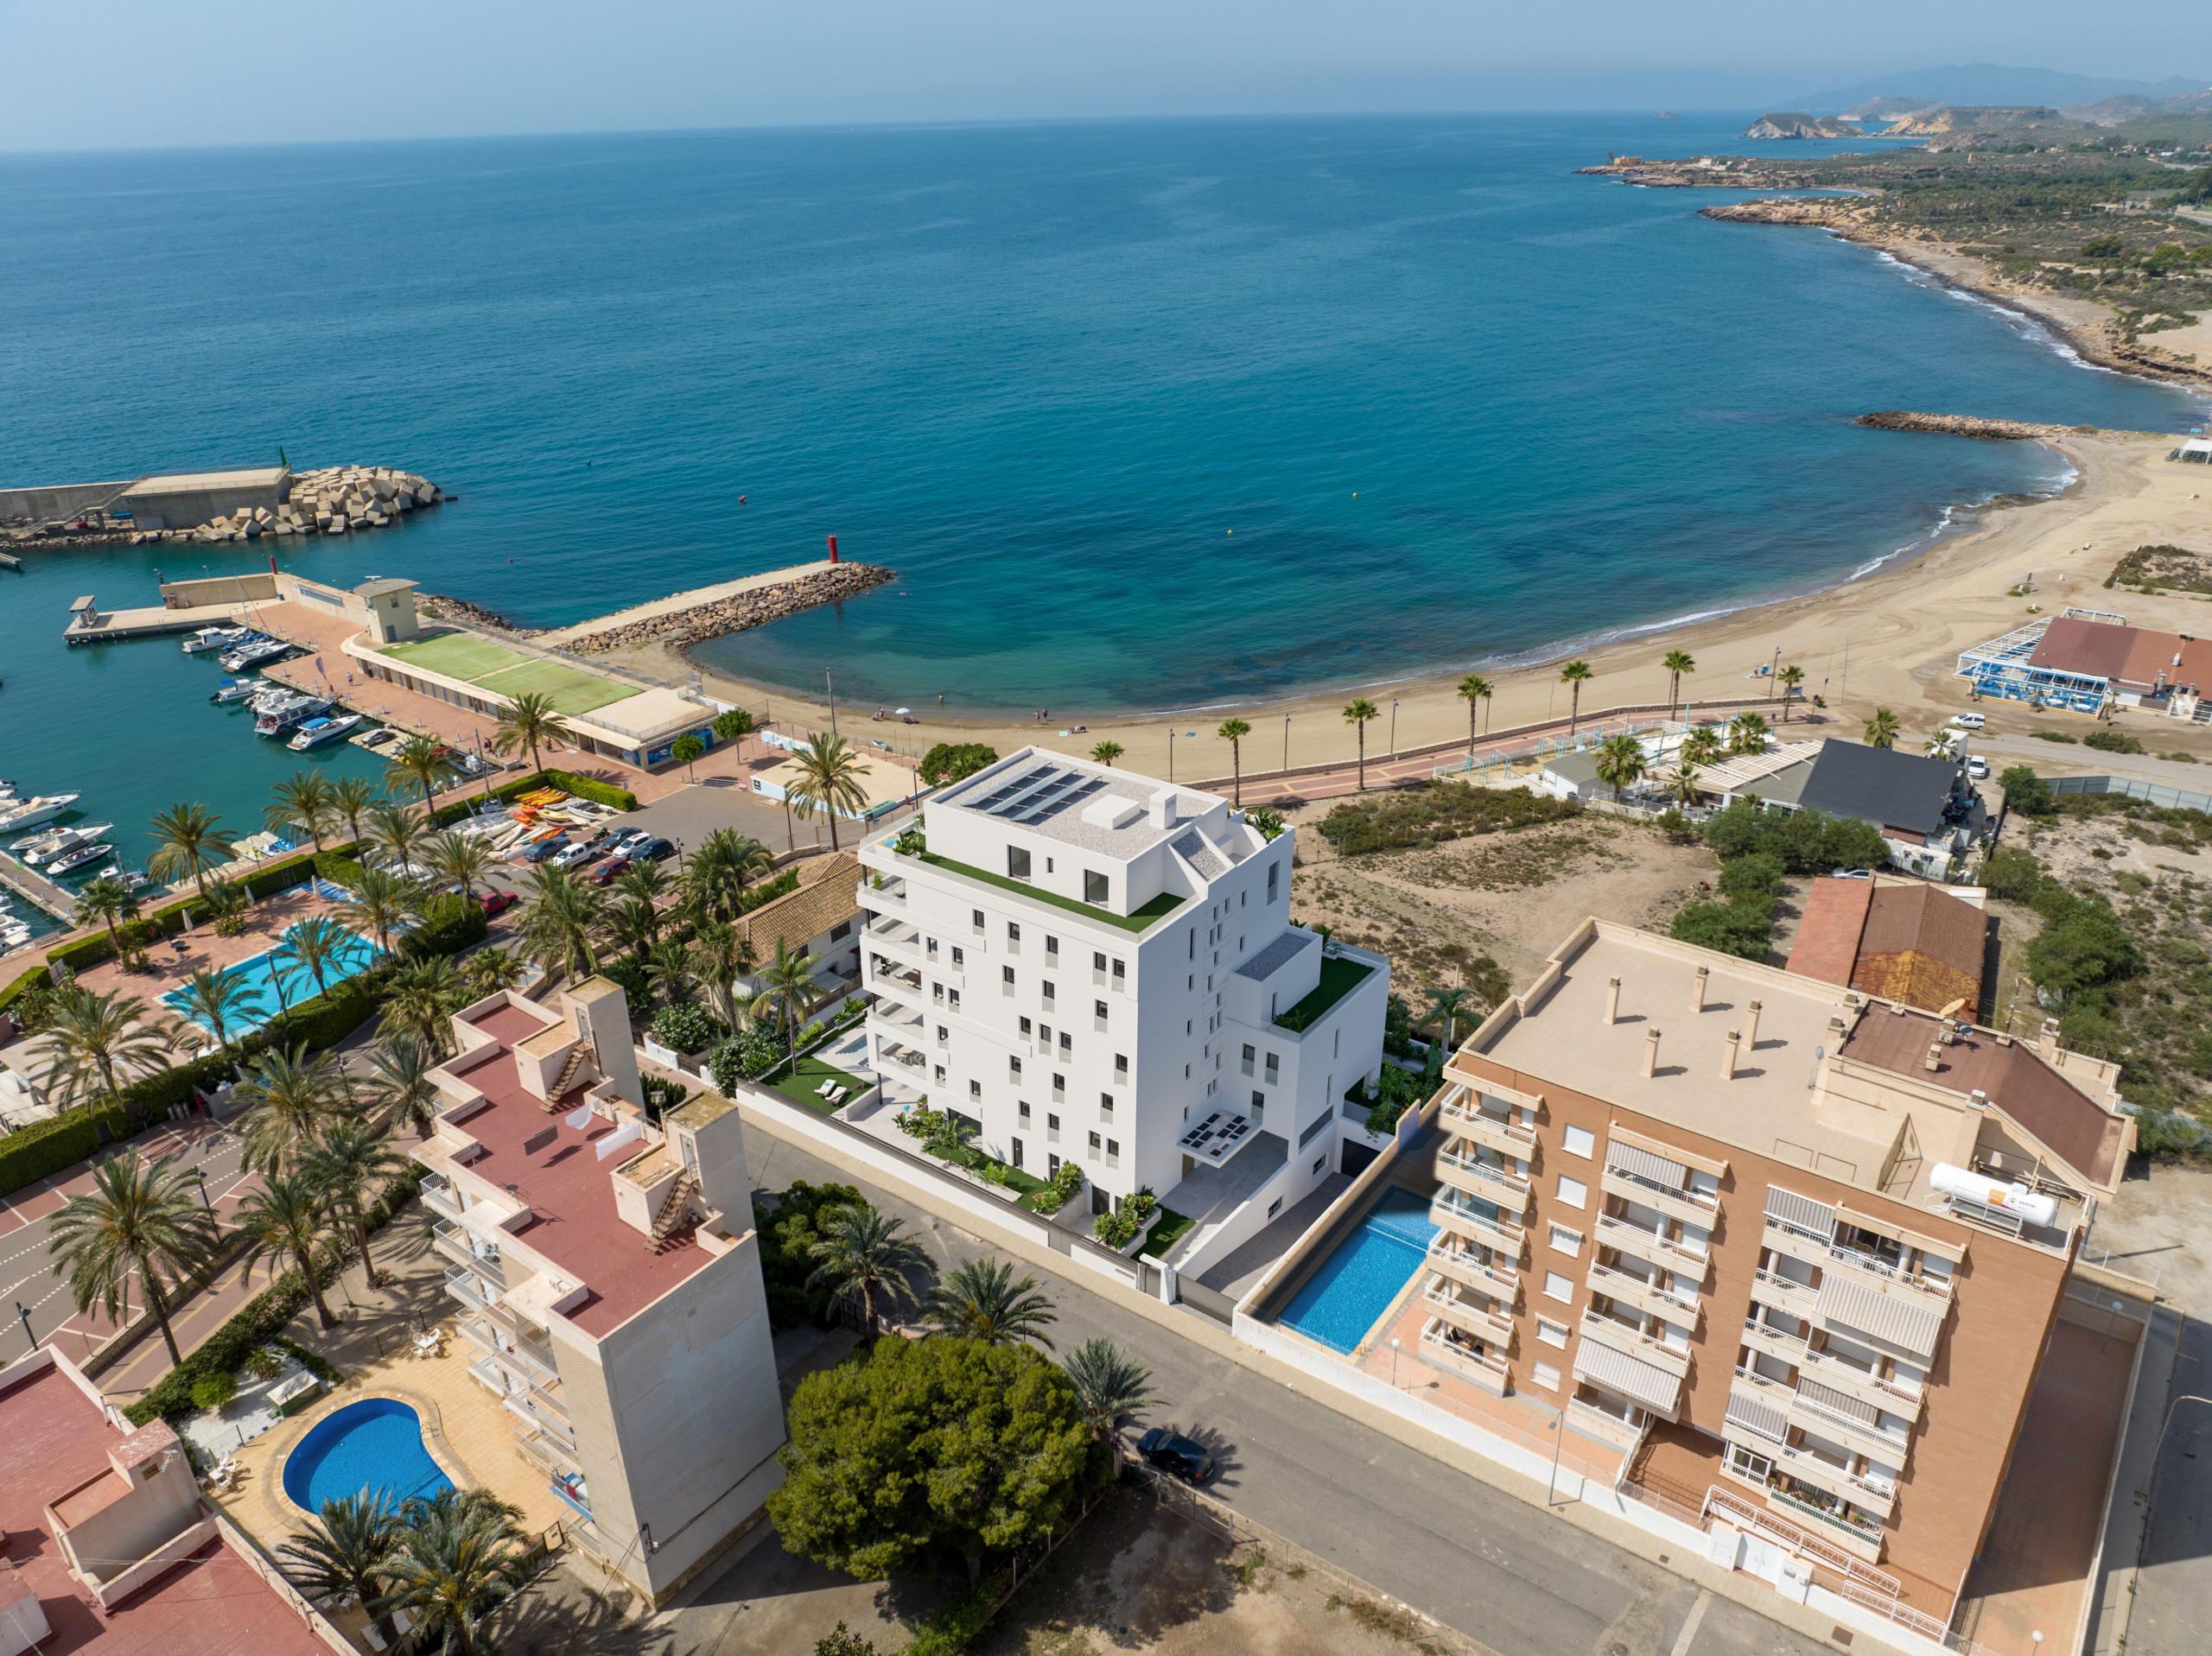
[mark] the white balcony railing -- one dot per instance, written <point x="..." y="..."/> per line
<point x="1499" y="1184"/>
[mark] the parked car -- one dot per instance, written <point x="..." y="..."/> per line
<point x="1178" y="1456"/>
<point x="1969" y="720"/>
<point x="495" y="904"/>
<point x="654" y="850"/>
<point x="610" y="871"/>
<point x="1977" y="766"/>
<point x="574" y="854"/>
<point x="1850" y="873"/>
<point x="545" y="848"/>
<point x="629" y="839"/>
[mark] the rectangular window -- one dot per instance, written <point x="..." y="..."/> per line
<point x="1546" y="1376"/>
<point x="959" y="957"/>
<point x="1098" y="1010"/>
<point x="1012" y="932"/>
<point x="1026" y="1027"/>
<point x="1120" y="1068"/>
<point x="1067" y="1044"/>
<point x="1259" y="1100"/>
<point x="1558" y="1287"/>
<point x="1121" y="974"/>
<point x="1275" y="1068"/>
<point x="1320" y="1161"/>
<point x="1050" y="992"/>
<point x="1022" y="1109"/>
<point x="1272" y="868"/>
<point x="1006" y="976"/>
<point x="1052" y="1166"/>
<point x="1059" y="1085"/>
<point x="1579" y="1141"/>
<point x="1573" y="1192"/>
<point x="1113" y="1149"/>
<point x="1106" y="1104"/>
<point x="1094" y="1143"/>
<point x="1051" y="944"/>
<point x="842" y="928"/>
<point x="1017" y="1150"/>
<point x="1052" y="1129"/>
<point x="1094" y="886"/>
<point x="1017" y="862"/>
<point x="1013" y="1069"/>
<point x="940" y="1075"/>
<point x="1551" y="1333"/>
<point x="1274" y="1207"/>
<point x="1250" y="1056"/>
<point x="1566" y="1241"/>
<point x="952" y="999"/>
<point x="1097" y="962"/>
<point x="974" y="1089"/>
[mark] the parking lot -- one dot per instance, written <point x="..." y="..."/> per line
<point x="688" y="816"/>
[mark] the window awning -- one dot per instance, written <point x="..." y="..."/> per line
<point x="1893" y="1319"/>
<point x="1657" y="1389"/>
<point x="1801" y="1212"/>
<point x="1628" y="1158"/>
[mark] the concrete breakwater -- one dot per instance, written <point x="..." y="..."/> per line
<point x="332" y="500"/>
<point x="1967" y="425"/>
<point x="711" y="612"/>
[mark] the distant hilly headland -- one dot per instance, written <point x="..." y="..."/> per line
<point x="1983" y="101"/>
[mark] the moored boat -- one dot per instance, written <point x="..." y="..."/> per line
<point x="65" y="841"/>
<point x="29" y="813"/>
<point x="70" y="861"/>
<point x="236" y="690"/>
<point x="316" y="732"/>
<point x="252" y="655"/>
<point x="277" y="717"/>
<point x="217" y="638"/>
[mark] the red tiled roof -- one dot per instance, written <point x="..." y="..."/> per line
<point x="213" y="1604"/>
<point x="2133" y="656"/>
<point x="572" y="1220"/>
<point x="1827" y="938"/>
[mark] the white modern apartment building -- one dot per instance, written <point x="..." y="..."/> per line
<point x="608" y="1274"/>
<point x="1086" y="964"/>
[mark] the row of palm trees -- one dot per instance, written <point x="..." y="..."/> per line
<point x="450" y="1562"/>
<point x="1622" y="762"/>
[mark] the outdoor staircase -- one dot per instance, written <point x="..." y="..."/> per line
<point x="559" y="1089"/>
<point x="673" y="1211"/>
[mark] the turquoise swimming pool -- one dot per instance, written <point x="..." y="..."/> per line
<point x="374" y="1446"/>
<point x="268" y="981"/>
<point x="1356" y="1284"/>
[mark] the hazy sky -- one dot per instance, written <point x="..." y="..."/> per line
<point x="123" y="73"/>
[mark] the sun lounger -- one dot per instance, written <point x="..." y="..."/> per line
<point x="823" y="1091"/>
<point x="376" y="1640"/>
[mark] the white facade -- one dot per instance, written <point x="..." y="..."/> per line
<point x="1088" y="964"/>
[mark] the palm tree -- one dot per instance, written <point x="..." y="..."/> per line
<point x="463" y="859"/>
<point x="561" y="918"/>
<point x="381" y="902"/>
<point x="1474" y="689"/>
<point x="287" y="1216"/>
<point x="303" y="798"/>
<point x="717" y="871"/>
<point x="1575" y="674"/>
<point x="1449" y="1005"/>
<point x="315" y="945"/>
<point x="1703" y="746"/>
<point x="1677" y="663"/>
<point x="787" y="990"/>
<point x="1106" y="752"/>
<point x="720" y="954"/>
<point x="646" y="879"/>
<point x="1943" y="745"/>
<point x="293" y="1096"/>
<point x="1620" y="762"/>
<point x="351" y="1163"/>
<point x="1358" y="712"/>
<point x="225" y="900"/>
<point x="1109" y="1384"/>
<point x="420" y="999"/>
<point x="863" y="1252"/>
<point x="1882" y="729"/>
<point x="418" y="760"/>
<point x="490" y="970"/>
<point x="395" y="830"/>
<point x="350" y="799"/>
<point x="450" y="1570"/>
<point x="138" y="1218"/>
<point x="107" y="900"/>
<point x="829" y="780"/>
<point x="1682" y="784"/>
<point x="981" y="1300"/>
<point x="399" y="1078"/>
<point x="1747" y="733"/>
<point x="1792" y="677"/>
<point x="635" y="924"/>
<point x="1234" y="731"/>
<point x="344" y="1552"/>
<point x="189" y="842"/>
<point x="98" y="1041"/>
<point x="218" y="999"/>
<point x="530" y="719"/>
<point x="667" y="969"/>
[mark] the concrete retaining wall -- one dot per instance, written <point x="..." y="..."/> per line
<point x="39" y="503"/>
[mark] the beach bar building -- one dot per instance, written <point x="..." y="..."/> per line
<point x="2081" y="661"/>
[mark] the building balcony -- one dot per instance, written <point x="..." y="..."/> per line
<point x="440" y="1197"/>
<point x="1853" y="1382"/>
<point x="1642" y="1347"/>
<point x="1459" y="1214"/>
<point x="1469" y="1316"/>
<point x="1446" y="1257"/>
<point x="1796" y="1244"/>
<point x="1859" y="1436"/>
<point x="1478" y="1368"/>
<point x="1884" y="1278"/>
<point x="1776" y="1394"/>
<point x="1861" y="1536"/>
<point x="1785" y="1293"/>
<point x="1626" y="1288"/>
<point x="1478" y="1178"/>
<point x="890" y="898"/>
<point x="1641" y="1244"/>
<point x="529" y="1360"/>
<point x="1675" y="1203"/>
<point x="458" y="1245"/>
<point x="1784" y="1347"/>
<point x="1604" y="1425"/>
<point x="1464" y="1114"/>
<point x="541" y="1450"/>
<point x="536" y="1408"/>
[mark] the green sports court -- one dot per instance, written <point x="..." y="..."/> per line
<point x="508" y="673"/>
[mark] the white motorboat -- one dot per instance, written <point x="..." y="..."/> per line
<point x="24" y="850"/>
<point x="29" y="813"/>
<point x="69" y="862"/>
<point x="237" y="689"/>
<point x="278" y="717"/>
<point x="218" y="638"/>
<point x="316" y="732"/>
<point x="124" y="876"/>
<point x="252" y="655"/>
<point x="64" y="841"/>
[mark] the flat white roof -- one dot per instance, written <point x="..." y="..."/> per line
<point x="1065" y="799"/>
<point x="260" y="476"/>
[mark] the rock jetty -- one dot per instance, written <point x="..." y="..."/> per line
<point x="737" y="613"/>
<point x="1967" y="425"/>
<point x="437" y="606"/>
<point x="333" y="500"/>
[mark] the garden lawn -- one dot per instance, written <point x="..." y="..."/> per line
<point x="1167" y="1230"/>
<point x="800" y="1081"/>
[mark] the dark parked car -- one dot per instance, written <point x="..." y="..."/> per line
<point x="545" y="848"/>
<point x="1193" y="1462"/>
<point x="609" y="870"/>
<point x="653" y="851"/>
<point x="495" y="904"/>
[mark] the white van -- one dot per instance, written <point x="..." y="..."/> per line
<point x="1969" y="720"/>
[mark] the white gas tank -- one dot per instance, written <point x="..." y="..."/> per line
<point x="2015" y="1199"/>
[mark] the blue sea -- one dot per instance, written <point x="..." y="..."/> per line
<point x="1145" y="415"/>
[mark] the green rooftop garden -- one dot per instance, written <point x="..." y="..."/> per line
<point x="1339" y="977"/>
<point x="1161" y="906"/>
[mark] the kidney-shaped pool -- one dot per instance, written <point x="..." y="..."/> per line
<point x="375" y="1445"/>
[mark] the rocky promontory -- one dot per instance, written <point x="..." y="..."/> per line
<point x="1967" y="425"/>
<point x="757" y="607"/>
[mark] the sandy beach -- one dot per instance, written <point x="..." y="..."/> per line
<point x="1888" y="640"/>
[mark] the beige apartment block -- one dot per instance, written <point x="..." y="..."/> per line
<point x="608" y="1275"/>
<point x="1797" y="1250"/>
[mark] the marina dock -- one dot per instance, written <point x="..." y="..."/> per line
<point x="88" y="624"/>
<point x="36" y="889"/>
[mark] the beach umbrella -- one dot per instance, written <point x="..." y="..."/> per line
<point x="905" y="710"/>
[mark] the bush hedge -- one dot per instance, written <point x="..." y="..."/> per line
<point x="452" y="924"/>
<point x="339" y="868"/>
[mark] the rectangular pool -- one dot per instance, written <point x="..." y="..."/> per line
<point x="262" y="975"/>
<point x="1356" y="1284"/>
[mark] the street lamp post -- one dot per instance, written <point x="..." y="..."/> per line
<point x="200" y="1173"/>
<point x="1559" y="1442"/>
<point x="1171" y="754"/>
<point x="1393" y="726"/>
<point x="832" y="685"/>
<point x="1286" y="742"/>
<point x="26" y="1315"/>
<point x="1394" y="1365"/>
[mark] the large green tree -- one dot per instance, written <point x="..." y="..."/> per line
<point x="140" y="1220"/>
<point x="930" y="1444"/>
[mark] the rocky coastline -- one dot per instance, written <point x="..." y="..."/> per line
<point x="736" y="613"/>
<point x="332" y="500"/>
<point x="442" y="606"/>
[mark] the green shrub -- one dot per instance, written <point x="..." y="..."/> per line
<point x="731" y="724"/>
<point x="637" y="988"/>
<point x="949" y="762"/>
<point x="767" y="891"/>
<point x="1759" y="875"/>
<point x="213" y="1391"/>
<point x="964" y="1615"/>
<point x="2025" y="791"/>
<point x="788" y="1230"/>
<point x="1807" y="843"/>
<point x="2083" y="948"/>
<point x="2013" y="873"/>
<point x="451" y="923"/>
<point x="687" y="1029"/>
<point x="339" y="869"/>
<point x="1744" y="929"/>
<point x="2111" y="741"/>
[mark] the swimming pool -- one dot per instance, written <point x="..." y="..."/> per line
<point x="262" y="977"/>
<point x="1356" y="1284"/>
<point x="375" y="1444"/>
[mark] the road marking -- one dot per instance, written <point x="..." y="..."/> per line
<point x="1689" y="1627"/>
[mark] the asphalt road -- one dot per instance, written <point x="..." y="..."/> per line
<point x="1523" y="1582"/>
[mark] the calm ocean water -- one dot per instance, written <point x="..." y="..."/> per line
<point x="1144" y="414"/>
